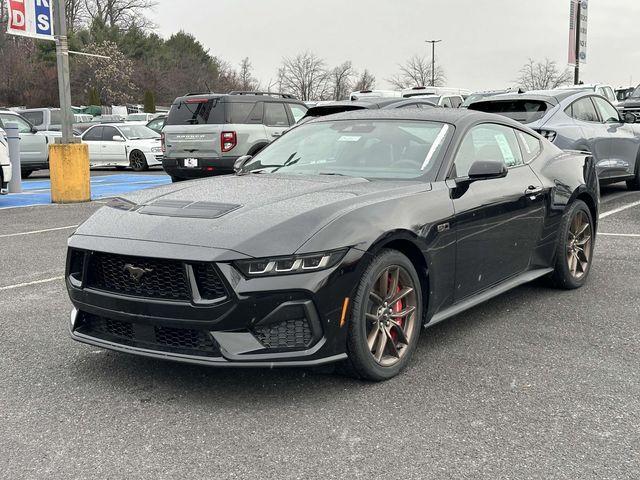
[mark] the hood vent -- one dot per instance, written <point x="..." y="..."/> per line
<point x="179" y="208"/>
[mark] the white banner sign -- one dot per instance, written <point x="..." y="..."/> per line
<point x="579" y="8"/>
<point x="31" y="18"/>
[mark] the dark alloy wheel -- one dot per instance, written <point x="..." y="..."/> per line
<point x="634" y="184"/>
<point x="575" y="247"/>
<point x="138" y="161"/>
<point x="386" y="317"/>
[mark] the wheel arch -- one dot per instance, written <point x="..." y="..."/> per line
<point x="587" y="198"/>
<point x="404" y="243"/>
<point x="255" y="149"/>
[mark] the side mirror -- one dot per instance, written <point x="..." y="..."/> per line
<point x="487" y="169"/>
<point x="629" y="118"/>
<point x="241" y="162"/>
<point x="35" y="129"/>
<point x="118" y="138"/>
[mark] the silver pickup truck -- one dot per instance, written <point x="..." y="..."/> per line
<point x="34" y="145"/>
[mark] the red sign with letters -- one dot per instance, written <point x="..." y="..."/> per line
<point x="17" y="15"/>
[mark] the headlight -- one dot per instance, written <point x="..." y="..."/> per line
<point x="313" y="262"/>
<point x="156" y="150"/>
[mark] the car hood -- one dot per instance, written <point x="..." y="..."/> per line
<point x="254" y="215"/>
<point x="144" y="142"/>
<point x="631" y="103"/>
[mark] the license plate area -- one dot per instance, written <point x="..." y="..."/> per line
<point x="191" y="163"/>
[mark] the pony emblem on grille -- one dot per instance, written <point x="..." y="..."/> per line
<point x="136" y="273"/>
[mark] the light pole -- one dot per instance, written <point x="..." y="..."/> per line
<point x="433" y="60"/>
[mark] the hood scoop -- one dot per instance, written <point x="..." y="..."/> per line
<point x="179" y="208"/>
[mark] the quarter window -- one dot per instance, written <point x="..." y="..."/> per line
<point x="531" y="146"/>
<point x="488" y="142"/>
<point x="297" y="111"/>
<point x="446" y="102"/>
<point x="608" y="112"/>
<point x="583" y="110"/>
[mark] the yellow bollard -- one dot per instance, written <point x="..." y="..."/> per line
<point x="69" y="173"/>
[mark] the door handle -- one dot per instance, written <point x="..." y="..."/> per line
<point x="533" y="191"/>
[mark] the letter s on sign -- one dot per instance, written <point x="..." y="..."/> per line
<point x="43" y="22"/>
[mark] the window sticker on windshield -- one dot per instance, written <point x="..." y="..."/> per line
<point x="507" y="154"/>
<point x="349" y="138"/>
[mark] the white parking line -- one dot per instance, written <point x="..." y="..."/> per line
<point x="28" y="284"/>
<point x="629" y="235"/>
<point x="38" y="231"/>
<point x="618" y="210"/>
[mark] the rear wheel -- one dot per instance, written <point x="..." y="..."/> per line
<point x="138" y="161"/>
<point x="385" y="319"/>
<point x="574" y="250"/>
<point x="26" y="173"/>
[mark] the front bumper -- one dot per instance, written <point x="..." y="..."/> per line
<point x="278" y="321"/>
<point x="153" y="158"/>
<point x="207" y="167"/>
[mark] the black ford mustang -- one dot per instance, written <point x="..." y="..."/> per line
<point x="337" y="242"/>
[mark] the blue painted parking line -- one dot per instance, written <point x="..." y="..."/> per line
<point x="38" y="192"/>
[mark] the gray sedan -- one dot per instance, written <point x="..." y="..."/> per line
<point x="574" y="120"/>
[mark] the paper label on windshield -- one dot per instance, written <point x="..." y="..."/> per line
<point x="507" y="154"/>
<point x="349" y="138"/>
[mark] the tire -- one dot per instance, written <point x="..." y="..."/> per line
<point x="26" y="173"/>
<point x="138" y="161"/>
<point x="176" y="179"/>
<point x="574" y="256"/>
<point x="382" y="324"/>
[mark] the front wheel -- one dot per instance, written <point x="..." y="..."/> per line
<point x="574" y="250"/>
<point x="138" y="161"/>
<point x="385" y="319"/>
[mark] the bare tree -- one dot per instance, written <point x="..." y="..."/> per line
<point x="341" y="78"/>
<point x="120" y="13"/>
<point x="305" y="76"/>
<point x="543" y="75"/>
<point x="416" y="72"/>
<point x="247" y="80"/>
<point x="76" y="13"/>
<point x="365" y="81"/>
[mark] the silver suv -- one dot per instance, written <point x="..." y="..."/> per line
<point x="205" y="134"/>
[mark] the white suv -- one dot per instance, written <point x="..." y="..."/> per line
<point x="5" y="164"/>
<point x="34" y="146"/>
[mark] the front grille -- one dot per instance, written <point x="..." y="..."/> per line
<point x="151" y="337"/>
<point x="294" y="333"/>
<point x="158" y="278"/>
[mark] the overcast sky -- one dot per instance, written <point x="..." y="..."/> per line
<point x="485" y="42"/>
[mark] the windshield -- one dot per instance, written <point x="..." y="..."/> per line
<point x="384" y="149"/>
<point x="136" y="132"/>
<point x="524" y="111"/>
<point x="636" y="92"/>
<point x="197" y="111"/>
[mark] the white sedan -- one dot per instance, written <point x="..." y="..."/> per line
<point x="121" y="145"/>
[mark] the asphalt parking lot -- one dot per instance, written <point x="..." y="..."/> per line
<point x="538" y="383"/>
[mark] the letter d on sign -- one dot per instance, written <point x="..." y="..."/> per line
<point x="17" y="15"/>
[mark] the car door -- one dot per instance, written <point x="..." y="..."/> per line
<point x="93" y="138"/>
<point x="34" y="147"/>
<point x="276" y="120"/>
<point x="498" y="221"/>
<point x="623" y="143"/>
<point x="114" y="152"/>
<point x="594" y="131"/>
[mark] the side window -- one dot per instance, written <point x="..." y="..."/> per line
<point x="446" y="102"/>
<point x="23" y="125"/>
<point x="298" y="111"/>
<point x="607" y="92"/>
<point x="109" y="133"/>
<point x="488" y="142"/>
<point x="583" y="110"/>
<point x="530" y="146"/>
<point x="456" y="102"/>
<point x="275" y="115"/>
<point x="608" y="112"/>
<point x="93" y="135"/>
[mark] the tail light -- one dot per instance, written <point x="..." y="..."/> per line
<point x="548" y="134"/>
<point x="163" y="145"/>
<point x="228" y="140"/>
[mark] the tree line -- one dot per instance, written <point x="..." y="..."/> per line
<point x="143" y="65"/>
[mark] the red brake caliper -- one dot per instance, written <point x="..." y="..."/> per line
<point x="397" y="308"/>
